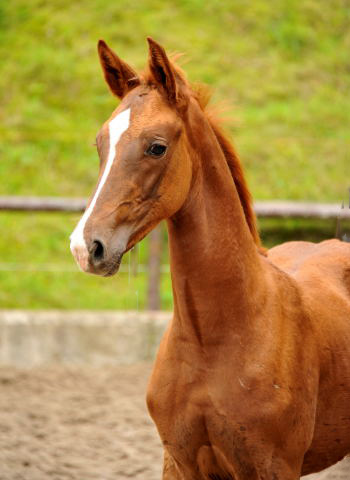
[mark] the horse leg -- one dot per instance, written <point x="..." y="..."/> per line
<point x="170" y="471"/>
<point x="213" y="465"/>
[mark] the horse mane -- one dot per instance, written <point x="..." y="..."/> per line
<point x="237" y="173"/>
<point x="203" y="94"/>
<point x="233" y="162"/>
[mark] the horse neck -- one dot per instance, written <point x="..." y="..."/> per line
<point x="216" y="269"/>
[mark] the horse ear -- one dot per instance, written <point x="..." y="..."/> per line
<point x="119" y="76"/>
<point x="162" y="69"/>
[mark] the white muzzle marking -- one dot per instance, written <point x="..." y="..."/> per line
<point x="78" y="247"/>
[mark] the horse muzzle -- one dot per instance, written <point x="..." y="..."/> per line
<point x="101" y="256"/>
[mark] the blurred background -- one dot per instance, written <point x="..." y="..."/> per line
<point x="73" y="383"/>
<point x="281" y="69"/>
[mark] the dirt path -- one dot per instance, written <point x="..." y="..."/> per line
<point x="76" y="423"/>
<point x="80" y="423"/>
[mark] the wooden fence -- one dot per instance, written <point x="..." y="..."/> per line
<point x="268" y="209"/>
<point x="275" y="209"/>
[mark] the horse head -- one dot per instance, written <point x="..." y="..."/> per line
<point x="145" y="168"/>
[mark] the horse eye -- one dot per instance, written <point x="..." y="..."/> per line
<point x="156" y="150"/>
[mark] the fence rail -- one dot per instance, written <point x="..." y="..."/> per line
<point x="42" y="204"/>
<point x="269" y="209"/>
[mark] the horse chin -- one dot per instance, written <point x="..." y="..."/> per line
<point x="106" y="268"/>
<point x="113" y="268"/>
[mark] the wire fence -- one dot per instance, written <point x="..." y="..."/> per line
<point x="66" y="268"/>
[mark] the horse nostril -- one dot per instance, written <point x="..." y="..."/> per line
<point x="97" y="250"/>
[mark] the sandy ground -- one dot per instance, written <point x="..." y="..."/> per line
<point x="81" y="423"/>
<point x="76" y="423"/>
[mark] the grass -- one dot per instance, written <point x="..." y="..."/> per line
<point x="281" y="68"/>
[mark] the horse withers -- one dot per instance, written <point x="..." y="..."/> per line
<point x="252" y="377"/>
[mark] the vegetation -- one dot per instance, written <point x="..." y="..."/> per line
<point x="281" y="68"/>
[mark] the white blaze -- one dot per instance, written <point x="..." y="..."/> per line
<point x="116" y="128"/>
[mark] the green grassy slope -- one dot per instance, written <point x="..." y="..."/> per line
<point x="284" y="66"/>
<point x="282" y="69"/>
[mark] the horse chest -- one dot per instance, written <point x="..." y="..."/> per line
<point x="177" y="405"/>
<point x="187" y="416"/>
<point x="195" y="434"/>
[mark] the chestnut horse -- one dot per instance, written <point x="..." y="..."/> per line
<point x="252" y="378"/>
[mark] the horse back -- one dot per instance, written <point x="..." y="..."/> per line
<point x="322" y="272"/>
<point x="327" y="263"/>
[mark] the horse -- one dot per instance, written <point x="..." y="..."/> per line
<point x="252" y="376"/>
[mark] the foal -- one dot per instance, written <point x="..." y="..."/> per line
<point x="252" y="378"/>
